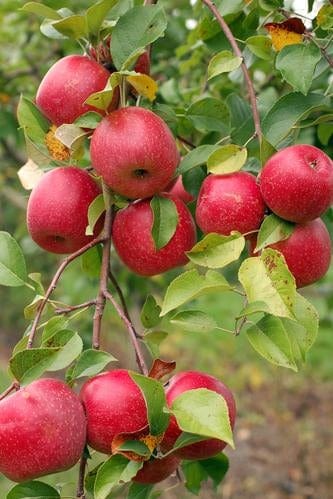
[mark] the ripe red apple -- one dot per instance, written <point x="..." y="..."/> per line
<point x="156" y="470"/>
<point x="57" y="213"/>
<point x="176" y="188"/>
<point x="307" y="252"/>
<point x="131" y="233"/>
<point x="142" y="65"/>
<point x="229" y="202"/>
<point x="42" y="430"/>
<point x="190" y="380"/>
<point x="297" y="183"/>
<point x="114" y="404"/>
<point x="66" y="86"/>
<point x="135" y="152"/>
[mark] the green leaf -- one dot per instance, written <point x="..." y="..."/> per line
<point x="216" y="468"/>
<point x="48" y="30"/>
<point x="203" y="412"/>
<point x="74" y="27"/>
<point x="197" y="157"/>
<point x="216" y="251"/>
<point x="256" y="307"/>
<point x="103" y="98"/>
<point x="33" y="489"/>
<point x="185" y="439"/>
<point x="156" y="404"/>
<point x="13" y="271"/>
<point x="41" y="10"/>
<point x="287" y="111"/>
<point x="270" y="339"/>
<point x="261" y="46"/>
<point x="268" y="279"/>
<point x="70" y="344"/>
<point x="150" y="313"/>
<point x="297" y="64"/>
<point x="135" y="446"/>
<point x="209" y="114"/>
<point x="191" y="285"/>
<point x="91" y="362"/>
<point x="153" y="339"/>
<point x="36" y="279"/>
<point x="96" y="14"/>
<point x="116" y="470"/>
<point x="91" y="261"/>
<point x="198" y="471"/>
<point x="28" y="365"/>
<point x="139" y="491"/>
<point x="91" y="120"/>
<point x="226" y="7"/>
<point x="31" y="309"/>
<point x="227" y="159"/>
<point x="54" y="325"/>
<point x="194" y="475"/>
<point x="266" y="150"/>
<point x="95" y="211"/>
<point x="194" y="321"/>
<point x="223" y="62"/>
<point x="32" y="120"/>
<point x="325" y="17"/>
<point x="272" y="230"/>
<point x="165" y="220"/>
<point x="135" y="30"/>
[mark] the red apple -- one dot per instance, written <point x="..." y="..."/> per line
<point x="131" y="233"/>
<point x="114" y="404"/>
<point x="57" y="213"/>
<point x="142" y="65"/>
<point x="176" y="188"/>
<point x="156" y="470"/>
<point x="297" y="183"/>
<point x="190" y="380"/>
<point x="135" y="152"/>
<point x="307" y="252"/>
<point x="66" y="86"/>
<point x="229" y="202"/>
<point x="42" y="430"/>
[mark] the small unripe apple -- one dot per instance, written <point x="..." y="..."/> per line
<point x="297" y="183"/>
<point x="133" y="241"/>
<point x="307" y="252"/>
<point x="114" y="404"/>
<point x="181" y="383"/>
<point x="230" y="203"/>
<point x="42" y="430"/>
<point x="156" y="470"/>
<point x="134" y="151"/>
<point x="176" y="188"/>
<point x="57" y="213"/>
<point x="66" y="86"/>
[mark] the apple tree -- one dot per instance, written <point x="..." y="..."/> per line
<point x="152" y="153"/>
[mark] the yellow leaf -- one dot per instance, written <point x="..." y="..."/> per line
<point x="289" y="32"/>
<point x="144" y="85"/>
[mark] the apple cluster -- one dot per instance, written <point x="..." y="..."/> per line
<point x="45" y="425"/>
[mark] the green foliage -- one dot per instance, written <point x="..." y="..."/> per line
<point x="32" y="489"/>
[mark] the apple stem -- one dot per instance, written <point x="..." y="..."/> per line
<point x="185" y="141"/>
<point x="54" y="283"/>
<point x="80" y="487"/>
<point x="72" y="308"/>
<point x="14" y="386"/>
<point x="252" y="95"/>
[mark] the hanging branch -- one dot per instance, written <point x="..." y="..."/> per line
<point x="72" y="308"/>
<point x="226" y="30"/>
<point x="80" y="486"/>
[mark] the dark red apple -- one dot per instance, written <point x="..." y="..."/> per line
<point x="176" y="188"/>
<point x="297" y="183"/>
<point x="131" y="233"/>
<point x="156" y="470"/>
<point x="66" y="86"/>
<point x="307" y="252"/>
<point x="229" y="202"/>
<point x="57" y="213"/>
<point x="114" y="404"/>
<point x="42" y="430"/>
<point x="190" y="380"/>
<point x="142" y="65"/>
<point x="135" y="152"/>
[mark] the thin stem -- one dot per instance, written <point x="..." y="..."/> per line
<point x="80" y="486"/>
<point x="253" y="100"/>
<point x="14" y="386"/>
<point x="54" y="283"/>
<point x="121" y="298"/>
<point x="72" y="308"/>
<point x="187" y="142"/>
<point x="133" y="336"/>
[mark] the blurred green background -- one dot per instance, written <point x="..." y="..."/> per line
<point x="284" y="431"/>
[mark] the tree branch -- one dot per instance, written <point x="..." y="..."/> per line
<point x="80" y="486"/>
<point x="72" y="308"/>
<point x="54" y="283"/>
<point x="226" y="30"/>
<point x="14" y="386"/>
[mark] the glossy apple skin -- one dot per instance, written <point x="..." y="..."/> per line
<point x="176" y="188"/>
<point x="229" y="202"/>
<point x="156" y="470"/>
<point x="132" y="239"/>
<point x="114" y="404"/>
<point x="57" y="212"/>
<point x="307" y="252"/>
<point x="134" y="151"/>
<point x="190" y="380"/>
<point x="42" y="430"/>
<point x="66" y="86"/>
<point x="297" y="183"/>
